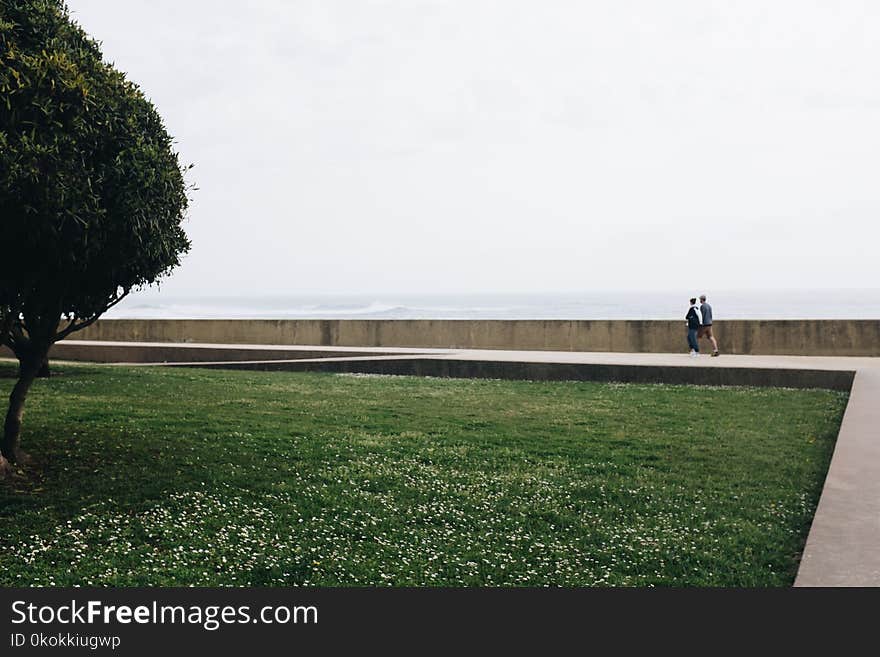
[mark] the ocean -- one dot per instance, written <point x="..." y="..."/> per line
<point x="730" y="304"/>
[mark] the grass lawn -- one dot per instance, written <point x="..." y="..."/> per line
<point x="152" y="476"/>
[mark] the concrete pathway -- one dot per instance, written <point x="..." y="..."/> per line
<point x="843" y="546"/>
<point x="69" y="348"/>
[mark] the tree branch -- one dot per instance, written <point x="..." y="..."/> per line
<point x="74" y="326"/>
<point x="8" y="321"/>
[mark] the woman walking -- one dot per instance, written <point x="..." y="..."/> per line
<point x="693" y="322"/>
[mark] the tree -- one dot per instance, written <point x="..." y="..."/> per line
<point x="92" y="194"/>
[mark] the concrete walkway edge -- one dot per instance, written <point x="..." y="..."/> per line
<point x="843" y="546"/>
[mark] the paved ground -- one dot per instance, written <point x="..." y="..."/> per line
<point x="704" y="360"/>
<point x="843" y="547"/>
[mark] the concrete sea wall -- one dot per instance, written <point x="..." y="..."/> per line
<point x="771" y="337"/>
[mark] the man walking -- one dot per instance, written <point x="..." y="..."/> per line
<point x="693" y="323"/>
<point x="706" y="324"/>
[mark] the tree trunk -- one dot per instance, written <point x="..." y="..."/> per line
<point x="12" y="427"/>
<point x="44" y="372"/>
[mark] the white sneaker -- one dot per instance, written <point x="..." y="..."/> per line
<point x="693" y="354"/>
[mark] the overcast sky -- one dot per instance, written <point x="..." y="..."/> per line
<point x="436" y="146"/>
